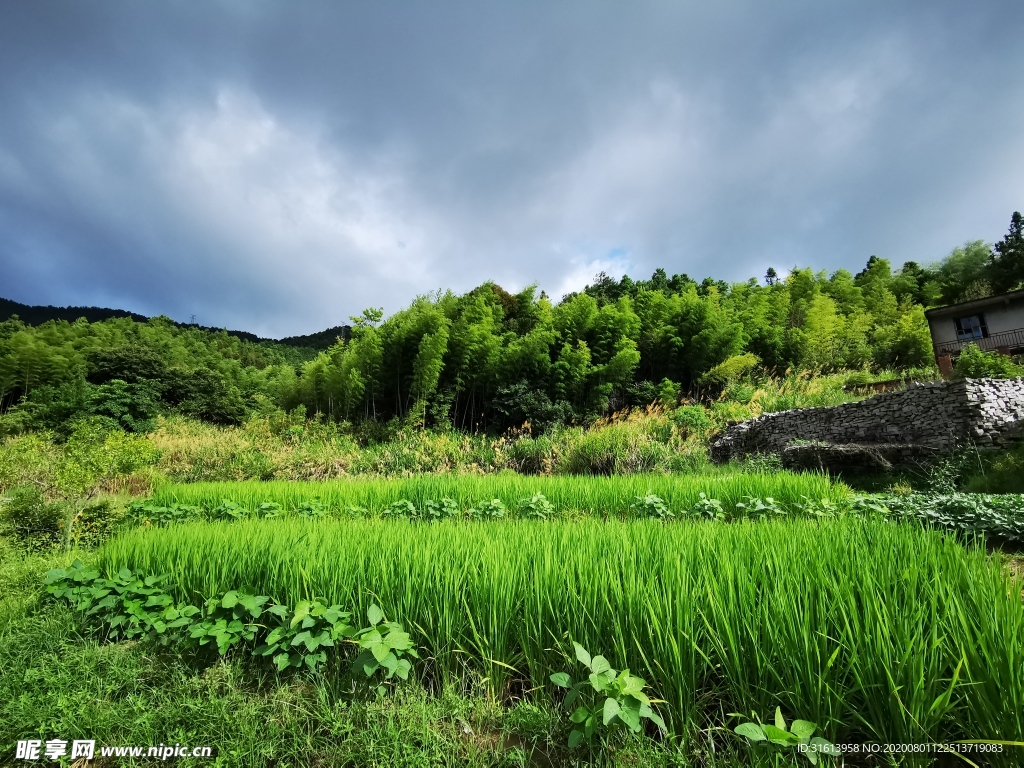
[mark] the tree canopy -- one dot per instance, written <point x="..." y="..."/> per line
<point x="490" y="359"/>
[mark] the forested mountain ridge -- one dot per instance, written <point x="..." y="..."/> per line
<point x="35" y="314"/>
<point x="489" y="359"/>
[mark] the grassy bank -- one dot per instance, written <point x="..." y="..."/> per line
<point x="670" y="437"/>
<point x="62" y="680"/>
<point x="875" y="631"/>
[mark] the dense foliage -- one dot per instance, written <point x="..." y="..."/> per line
<point x="128" y="372"/>
<point x="998" y="516"/>
<point x="974" y="363"/>
<point x="488" y="360"/>
<point x="131" y="605"/>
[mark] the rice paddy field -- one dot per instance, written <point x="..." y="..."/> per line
<point x="601" y="496"/>
<point x="877" y="631"/>
<point x="877" y="628"/>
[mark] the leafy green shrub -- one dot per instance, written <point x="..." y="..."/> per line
<point x="613" y="699"/>
<point x="302" y="635"/>
<point x="402" y="508"/>
<point x="537" y="507"/>
<point x="753" y="507"/>
<point x="531" y="455"/>
<point x="92" y="522"/>
<point x="650" y="505"/>
<point x="205" y="394"/>
<point x="859" y="378"/>
<point x="798" y="736"/>
<point x="868" y="507"/>
<point x="946" y="475"/>
<point x="228" y="620"/>
<point x="1001" y="516"/>
<point x="707" y="507"/>
<point x="384" y="646"/>
<point x="32" y="520"/>
<point x="269" y="509"/>
<point x="623" y="447"/>
<point x="130" y="605"/>
<point x="87" y="463"/>
<point x="251" y="463"/>
<point x="668" y="394"/>
<point x="816" y="507"/>
<point x="229" y="510"/>
<point x="739" y="391"/>
<point x="439" y="510"/>
<point x="592" y="453"/>
<point x="311" y="510"/>
<point x="132" y="406"/>
<point x="692" y="419"/>
<point x="147" y="513"/>
<point x="731" y="368"/>
<point x="974" y="363"/>
<point x="488" y="510"/>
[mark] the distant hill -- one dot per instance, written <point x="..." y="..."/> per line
<point x="37" y="315"/>
<point x="321" y="340"/>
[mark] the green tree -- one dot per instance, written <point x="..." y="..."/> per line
<point x="427" y="367"/>
<point x="130" y="405"/>
<point x="823" y="330"/>
<point x="963" y="274"/>
<point x="907" y="343"/>
<point x="1006" y="267"/>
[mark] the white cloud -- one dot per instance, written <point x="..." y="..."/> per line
<point x="278" y="171"/>
<point x="236" y="201"/>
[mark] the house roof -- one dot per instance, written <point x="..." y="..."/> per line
<point x="990" y="301"/>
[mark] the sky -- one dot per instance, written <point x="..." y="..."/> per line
<point x="278" y="166"/>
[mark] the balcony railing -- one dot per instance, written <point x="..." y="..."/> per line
<point x="1009" y="340"/>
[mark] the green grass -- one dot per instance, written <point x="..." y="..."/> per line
<point x="1000" y="472"/>
<point x="58" y="684"/>
<point x="611" y="496"/>
<point x="873" y="630"/>
<point x="59" y="680"/>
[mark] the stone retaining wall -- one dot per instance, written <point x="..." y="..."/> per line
<point x="935" y="416"/>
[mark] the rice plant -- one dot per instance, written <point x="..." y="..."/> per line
<point x="603" y="496"/>
<point x="874" y="630"/>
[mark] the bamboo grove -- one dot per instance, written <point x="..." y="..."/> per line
<point x="489" y="359"/>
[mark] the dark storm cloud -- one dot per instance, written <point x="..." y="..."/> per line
<point x="277" y="167"/>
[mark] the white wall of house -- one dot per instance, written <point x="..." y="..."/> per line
<point x="998" y="318"/>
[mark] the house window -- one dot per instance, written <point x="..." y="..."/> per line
<point x="972" y="327"/>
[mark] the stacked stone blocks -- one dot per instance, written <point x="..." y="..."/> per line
<point x="931" y="417"/>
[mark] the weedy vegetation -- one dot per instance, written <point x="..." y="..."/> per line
<point x="798" y="736"/>
<point x="615" y="699"/>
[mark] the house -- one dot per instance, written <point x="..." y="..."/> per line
<point x="995" y="324"/>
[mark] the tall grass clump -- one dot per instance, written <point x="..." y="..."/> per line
<point x="874" y="630"/>
<point x="609" y="496"/>
<point x="803" y="389"/>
